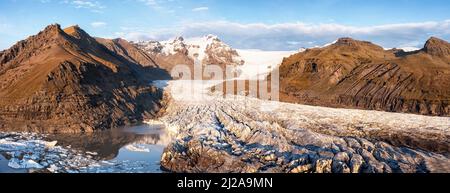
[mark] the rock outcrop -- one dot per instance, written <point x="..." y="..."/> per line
<point x="359" y="74"/>
<point x="66" y="81"/>
<point x="437" y="47"/>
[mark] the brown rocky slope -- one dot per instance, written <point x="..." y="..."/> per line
<point x="359" y="74"/>
<point x="66" y="81"/>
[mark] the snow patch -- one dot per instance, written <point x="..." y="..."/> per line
<point x="259" y="63"/>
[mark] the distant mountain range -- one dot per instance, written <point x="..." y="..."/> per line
<point x="359" y="74"/>
<point x="208" y="50"/>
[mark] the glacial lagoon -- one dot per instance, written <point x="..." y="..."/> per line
<point x="122" y="150"/>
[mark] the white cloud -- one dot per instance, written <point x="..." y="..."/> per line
<point x="291" y="36"/>
<point x="150" y="2"/>
<point x="98" y="24"/>
<point x="94" y="6"/>
<point x="200" y="9"/>
<point x="159" y="5"/>
<point x="136" y="36"/>
<point x="6" y="27"/>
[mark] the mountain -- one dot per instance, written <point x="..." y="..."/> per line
<point x="135" y="55"/>
<point x="208" y="49"/>
<point x="437" y="47"/>
<point x="67" y="81"/>
<point x="128" y="51"/>
<point x="359" y="74"/>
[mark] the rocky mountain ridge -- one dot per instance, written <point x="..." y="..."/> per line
<point x="359" y="74"/>
<point x="67" y="81"/>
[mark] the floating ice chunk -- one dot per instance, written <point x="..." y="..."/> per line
<point x="50" y="144"/>
<point x="32" y="164"/>
<point x="34" y="156"/>
<point x="7" y="145"/>
<point x="91" y="153"/>
<point x="24" y="164"/>
<point x="53" y="168"/>
<point x="137" y="148"/>
<point x="14" y="163"/>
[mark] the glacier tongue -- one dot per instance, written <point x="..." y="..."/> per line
<point x="233" y="135"/>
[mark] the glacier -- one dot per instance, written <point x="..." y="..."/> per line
<point x="207" y="132"/>
<point x="236" y="134"/>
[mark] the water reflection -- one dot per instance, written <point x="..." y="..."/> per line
<point x="4" y="168"/>
<point x="122" y="150"/>
<point x="108" y="145"/>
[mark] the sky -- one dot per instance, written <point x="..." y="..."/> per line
<point x="243" y="24"/>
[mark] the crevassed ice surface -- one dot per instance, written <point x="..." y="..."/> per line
<point x="243" y="134"/>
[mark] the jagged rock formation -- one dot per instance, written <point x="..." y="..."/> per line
<point x="208" y="50"/>
<point x="66" y="81"/>
<point x="359" y="74"/>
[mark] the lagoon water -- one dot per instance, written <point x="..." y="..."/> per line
<point x="137" y="147"/>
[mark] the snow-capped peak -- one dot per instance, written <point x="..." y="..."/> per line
<point x="329" y="44"/>
<point x="177" y="45"/>
<point x="178" y="39"/>
<point x="207" y="49"/>
<point x="406" y="49"/>
<point x="211" y="36"/>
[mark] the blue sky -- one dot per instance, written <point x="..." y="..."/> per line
<point x="249" y="24"/>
